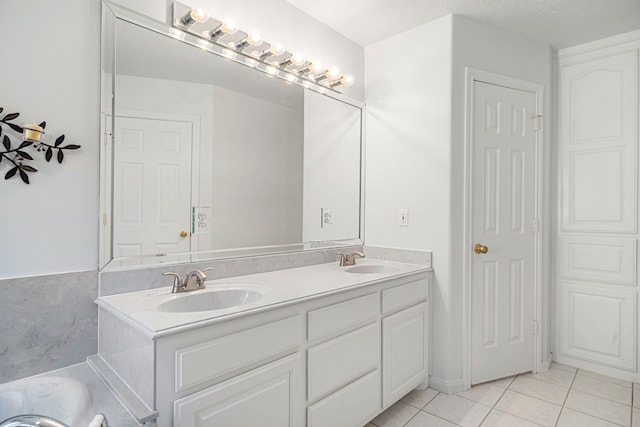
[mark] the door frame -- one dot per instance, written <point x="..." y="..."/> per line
<point x="475" y="75"/>
<point x="106" y="172"/>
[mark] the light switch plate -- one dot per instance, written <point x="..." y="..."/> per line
<point x="403" y="217"/>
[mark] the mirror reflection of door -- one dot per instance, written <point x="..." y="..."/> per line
<point x="152" y="186"/>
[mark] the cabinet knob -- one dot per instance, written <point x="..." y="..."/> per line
<point x="184" y="233"/>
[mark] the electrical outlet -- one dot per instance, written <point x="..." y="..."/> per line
<point x="403" y="217"/>
<point x="201" y="218"/>
<point x="326" y="217"/>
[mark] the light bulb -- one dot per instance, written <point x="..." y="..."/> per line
<point x="194" y="15"/>
<point x="229" y="25"/>
<point x="254" y="38"/>
<point x="333" y="72"/>
<point x="276" y="49"/>
<point x="316" y="67"/>
<point x="297" y="58"/>
<point x="348" y="80"/>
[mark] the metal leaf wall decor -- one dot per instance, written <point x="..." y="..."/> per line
<point x="16" y="149"/>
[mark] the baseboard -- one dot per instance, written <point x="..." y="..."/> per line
<point x="446" y="386"/>
<point x="620" y="374"/>
<point x="545" y="364"/>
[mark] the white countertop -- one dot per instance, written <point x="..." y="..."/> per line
<point x="139" y="309"/>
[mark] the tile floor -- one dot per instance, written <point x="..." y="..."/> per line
<point x="562" y="397"/>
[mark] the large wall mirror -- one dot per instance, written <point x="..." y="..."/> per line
<point x="205" y="157"/>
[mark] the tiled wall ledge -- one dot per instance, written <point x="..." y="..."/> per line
<point x="409" y="256"/>
<point x="47" y="322"/>
<point x="140" y="278"/>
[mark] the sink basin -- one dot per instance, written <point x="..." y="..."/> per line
<point x="215" y="299"/>
<point x="372" y="269"/>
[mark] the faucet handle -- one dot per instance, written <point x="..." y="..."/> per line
<point x="343" y="258"/>
<point x="177" y="281"/>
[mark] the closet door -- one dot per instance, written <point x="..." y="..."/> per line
<point x="597" y="285"/>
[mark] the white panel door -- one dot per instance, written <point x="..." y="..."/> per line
<point x="502" y="283"/>
<point x="152" y="182"/>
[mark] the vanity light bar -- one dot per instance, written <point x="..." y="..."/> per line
<point x="292" y="67"/>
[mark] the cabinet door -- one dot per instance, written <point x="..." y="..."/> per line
<point x="269" y="396"/>
<point x="404" y="352"/>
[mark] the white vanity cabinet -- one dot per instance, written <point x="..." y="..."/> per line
<point x="247" y="372"/>
<point x="335" y="359"/>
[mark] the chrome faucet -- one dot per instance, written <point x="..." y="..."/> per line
<point x="349" y="259"/>
<point x="194" y="281"/>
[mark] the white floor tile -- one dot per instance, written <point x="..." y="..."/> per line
<point x="457" y="410"/>
<point x="370" y="425"/>
<point x="424" y="419"/>
<point x="396" y="416"/>
<point x="419" y="398"/>
<point x="600" y="408"/>
<point x="571" y="418"/>
<point x="564" y="367"/>
<point x="554" y="376"/>
<point x="487" y="394"/>
<point x="502" y="419"/>
<point x="604" y="389"/>
<point x="582" y="372"/>
<point x="552" y="393"/>
<point x="529" y="408"/>
<point x="636" y="417"/>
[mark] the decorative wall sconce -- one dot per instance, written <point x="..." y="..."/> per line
<point x="290" y="66"/>
<point x="23" y="139"/>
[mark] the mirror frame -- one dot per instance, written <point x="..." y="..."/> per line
<point x="108" y="47"/>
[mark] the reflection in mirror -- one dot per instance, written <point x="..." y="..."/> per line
<point x="208" y="155"/>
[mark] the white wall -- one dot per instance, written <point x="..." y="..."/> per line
<point x="415" y="133"/>
<point x="408" y="155"/>
<point x="51" y="72"/>
<point x="277" y="20"/>
<point x="331" y="150"/>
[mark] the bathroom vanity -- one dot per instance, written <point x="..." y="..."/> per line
<point x="322" y="345"/>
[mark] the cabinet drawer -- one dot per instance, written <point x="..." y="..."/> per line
<point x="267" y="397"/>
<point x="351" y="406"/>
<point x="342" y="316"/>
<point x="406" y="295"/>
<point x="202" y="362"/>
<point x="335" y="363"/>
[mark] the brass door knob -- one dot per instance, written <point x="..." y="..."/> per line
<point x="480" y="249"/>
<point x="183" y="234"/>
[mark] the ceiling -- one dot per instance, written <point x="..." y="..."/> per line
<point x="561" y="23"/>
